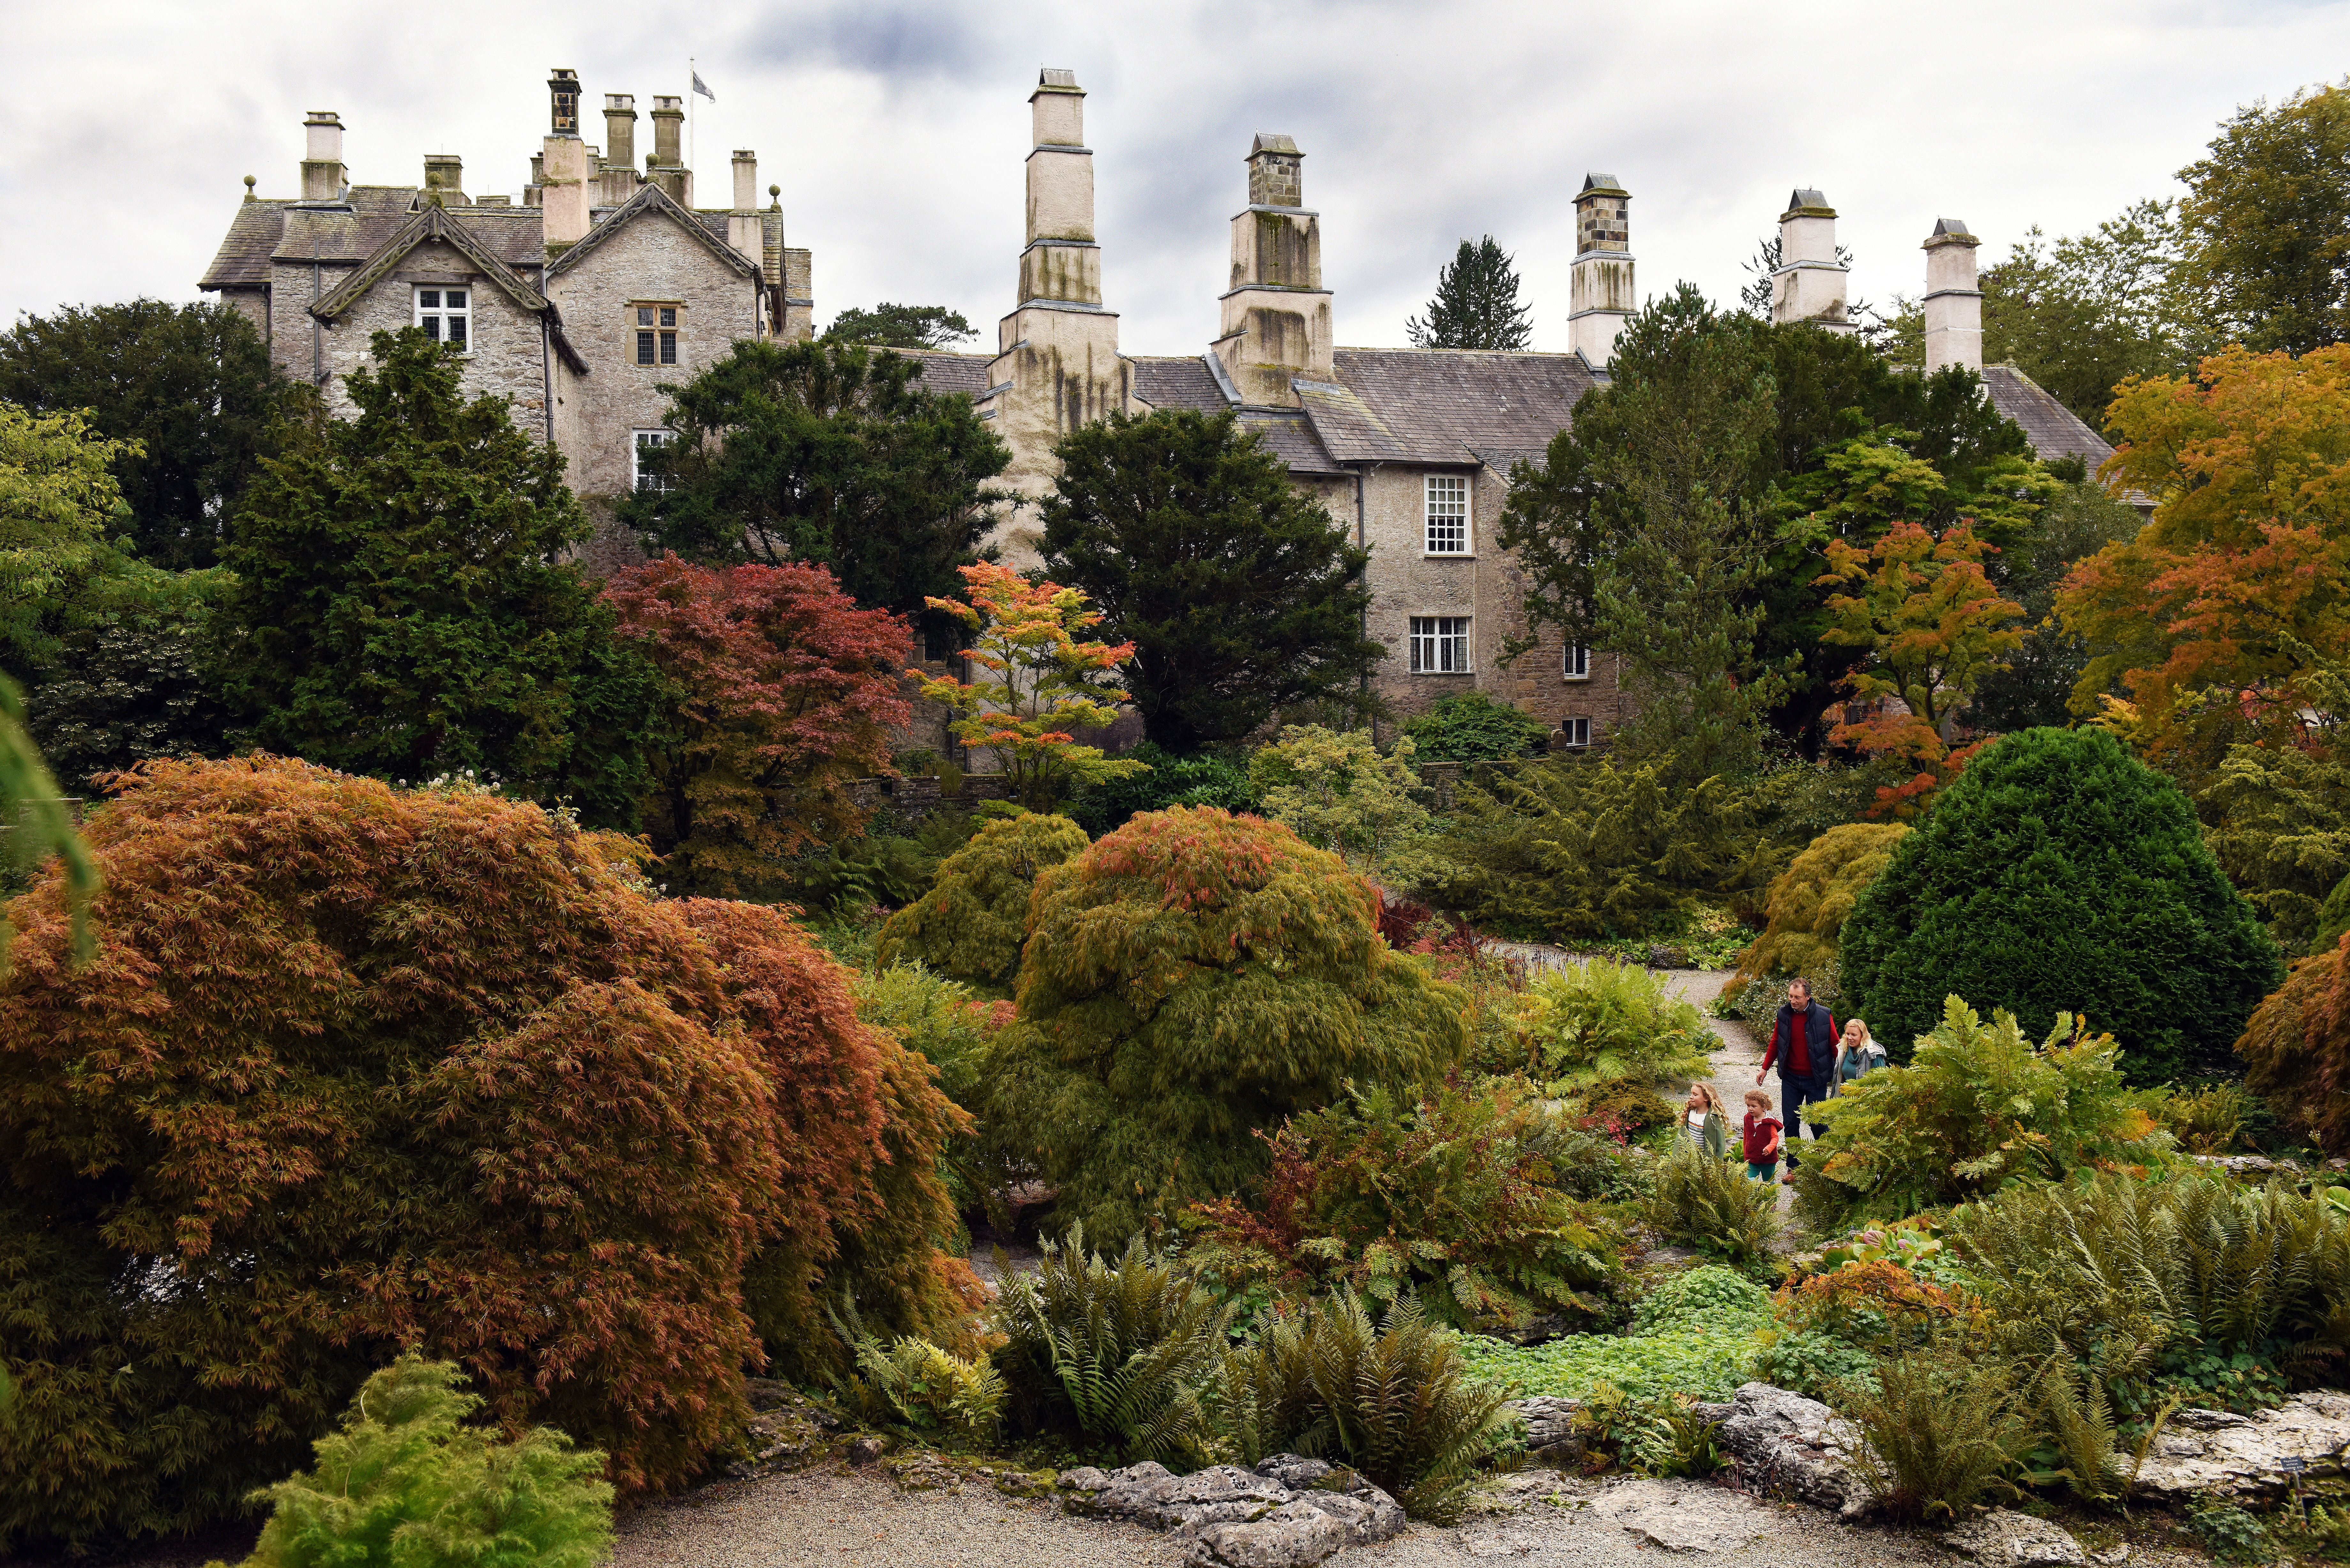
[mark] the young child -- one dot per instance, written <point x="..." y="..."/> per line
<point x="1707" y="1128"/>
<point x="1762" y="1137"/>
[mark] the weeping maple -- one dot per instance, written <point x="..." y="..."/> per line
<point x="1189" y="981"/>
<point x="357" y="1070"/>
<point x="780" y="691"/>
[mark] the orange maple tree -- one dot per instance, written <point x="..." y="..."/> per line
<point x="357" y="1070"/>
<point x="780" y="691"/>
<point x="2239" y="586"/>
<point x="1935" y="627"/>
<point x="1034" y="683"/>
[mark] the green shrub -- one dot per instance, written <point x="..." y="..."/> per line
<point x="1978" y="1106"/>
<point x="1815" y="1364"/>
<point x="939" y="1017"/>
<point x="1591" y="1024"/>
<point x="1116" y="1354"/>
<point x="1812" y="898"/>
<point x="1663" y="1436"/>
<point x="1450" y="1198"/>
<point x="1835" y="1323"/>
<point x="1940" y="1429"/>
<point x="405" y="1481"/>
<point x="1592" y="1166"/>
<point x="1714" y="1205"/>
<point x="2278" y="821"/>
<point x="873" y="870"/>
<point x="1755" y="999"/>
<point x="2229" y="1533"/>
<point x="1204" y="778"/>
<point x="1191" y="980"/>
<point x="2209" y="1119"/>
<point x="1396" y="1402"/>
<point x="1338" y="790"/>
<point x="2193" y="1286"/>
<point x="2059" y="874"/>
<point x="931" y="1390"/>
<point x="2333" y="918"/>
<point x="1696" y="1333"/>
<point x="970" y="923"/>
<point x="1580" y="847"/>
<point x="1470" y="727"/>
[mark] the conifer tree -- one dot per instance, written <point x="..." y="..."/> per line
<point x="1476" y="304"/>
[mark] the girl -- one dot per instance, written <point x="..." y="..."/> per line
<point x="1857" y="1053"/>
<point x="1760" y="1136"/>
<point x="1702" y="1112"/>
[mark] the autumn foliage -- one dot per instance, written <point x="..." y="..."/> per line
<point x="780" y="691"/>
<point x="2296" y="1049"/>
<point x="1190" y="979"/>
<point x="357" y="1070"/>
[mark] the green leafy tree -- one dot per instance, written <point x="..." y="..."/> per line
<point x="189" y="389"/>
<point x="1189" y="981"/>
<point x="1240" y="594"/>
<point x="2060" y="875"/>
<point x="827" y="452"/>
<point x="2278" y="819"/>
<point x="127" y="680"/>
<point x="1812" y="898"/>
<point x="1470" y="727"/>
<point x="2083" y="314"/>
<point x="2267" y="223"/>
<point x="971" y="924"/>
<point x="1643" y="533"/>
<point x="1339" y="792"/>
<point x="401" y="607"/>
<point x="57" y="496"/>
<point x="405" y="1481"/>
<point x="2036" y="686"/>
<point x="1476" y="304"/>
<point x="899" y="326"/>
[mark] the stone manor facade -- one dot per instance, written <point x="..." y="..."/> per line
<point x="606" y="280"/>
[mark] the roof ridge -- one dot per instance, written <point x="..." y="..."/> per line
<point x="431" y="222"/>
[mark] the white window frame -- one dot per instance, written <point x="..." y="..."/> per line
<point x="443" y="312"/>
<point x="1576" y="662"/>
<point x="1574" y="735"/>
<point x="1445" y="505"/>
<point x="638" y="442"/>
<point x="1442" y="645"/>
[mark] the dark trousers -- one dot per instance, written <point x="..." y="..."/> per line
<point x="1795" y="1094"/>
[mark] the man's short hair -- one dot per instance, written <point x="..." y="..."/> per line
<point x="1800" y="981"/>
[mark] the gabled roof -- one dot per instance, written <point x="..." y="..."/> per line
<point x="243" y="260"/>
<point x="1448" y="405"/>
<point x="2053" y="430"/>
<point x="651" y="199"/>
<point x="433" y="223"/>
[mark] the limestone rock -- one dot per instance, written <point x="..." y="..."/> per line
<point x="1682" y="1516"/>
<point x="1291" y="1536"/>
<point x="1551" y="1433"/>
<point x="866" y="1450"/>
<point x="1516" y="1491"/>
<point x="923" y="1472"/>
<point x="1287" y="1511"/>
<point x="1788" y="1445"/>
<point x="2218" y="1454"/>
<point x="2003" y="1538"/>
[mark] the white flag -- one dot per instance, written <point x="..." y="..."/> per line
<point x="700" y="87"/>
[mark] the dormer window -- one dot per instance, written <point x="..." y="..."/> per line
<point x="656" y="332"/>
<point x="447" y="316"/>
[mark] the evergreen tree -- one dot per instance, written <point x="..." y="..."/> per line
<point x="831" y="454"/>
<point x="2267" y="223"/>
<point x="190" y="384"/>
<point x="899" y="326"/>
<point x="400" y="608"/>
<point x="1240" y="594"/>
<point x="1476" y="304"/>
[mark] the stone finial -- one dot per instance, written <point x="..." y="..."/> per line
<point x="249" y="183"/>
<point x="775" y="197"/>
<point x="1276" y="171"/>
<point x="563" y="102"/>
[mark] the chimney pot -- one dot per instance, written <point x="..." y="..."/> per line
<point x="1057" y="108"/>
<point x="746" y="180"/>
<point x="1810" y="282"/>
<point x="1276" y="171"/>
<point x="668" y="123"/>
<point x="563" y="102"/>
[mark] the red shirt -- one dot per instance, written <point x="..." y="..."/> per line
<point x="1759" y="1132"/>
<point x="1799" y="1046"/>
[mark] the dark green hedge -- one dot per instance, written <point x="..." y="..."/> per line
<point x="2061" y="874"/>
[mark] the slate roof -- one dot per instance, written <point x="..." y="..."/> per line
<point x="1446" y="405"/>
<point x="347" y="233"/>
<point x="1170" y="383"/>
<point x="944" y="370"/>
<point x="2053" y="430"/>
<point x="430" y="223"/>
<point x="651" y="199"/>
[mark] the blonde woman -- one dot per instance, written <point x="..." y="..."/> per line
<point x="1857" y="1051"/>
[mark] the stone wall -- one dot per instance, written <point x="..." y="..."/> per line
<point x="508" y="355"/>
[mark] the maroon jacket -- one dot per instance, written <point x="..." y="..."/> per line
<point x="1810" y="1053"/>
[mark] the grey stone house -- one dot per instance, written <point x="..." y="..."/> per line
<point x="602" y="283"/>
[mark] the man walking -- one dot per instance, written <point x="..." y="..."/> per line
<point x="1804" y="1045"/>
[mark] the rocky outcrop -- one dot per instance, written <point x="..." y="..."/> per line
<point x="1682" y="1515"/>
<point x="1286" y="1513"/>
<point x="2214" y="1453"/>
<point x="2003" y="1538"/>
<point x="1787" y="1445"/>
<point x="1552" y="1435"/>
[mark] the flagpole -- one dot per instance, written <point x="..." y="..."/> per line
<point x="693" y="118"/>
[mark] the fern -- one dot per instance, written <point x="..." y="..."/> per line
<point x="1712" y="1205"/>
<point x="1941" y="1428"/>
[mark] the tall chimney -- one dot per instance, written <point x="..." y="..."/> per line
<point x="445" y="173"/>
<point x="744" y="230"/>
<point x="1809" y="285"/>
<point x="563" y="165"/>
<point x="1277" y="320"/>
<point x="1953" y="303"/>
<point x="1599" y="283"/>
<point x="620" y="129"/>
<point x="322" y="156"/>
<point x="667" y="168"/>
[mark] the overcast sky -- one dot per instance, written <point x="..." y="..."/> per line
<point x="897" y="130"/>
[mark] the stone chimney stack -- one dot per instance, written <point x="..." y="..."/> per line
<point x="667" y="167"/>
<point x="744" y="230"/>
<point x="1057" y="365"/>
<point x="444" y="176"/>
<point x="1277" y="319"/>
<point x="620" y="129"/>
<point x="1810" y="283"/>
<point x="1953" y="303"/>
<point x="322" y="156"/>
<point x="563" y="165"/>
<point x="1599" y="285"/>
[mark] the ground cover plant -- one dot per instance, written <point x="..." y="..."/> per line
<point x="1190" y="979"/>
<point x="1451" y="1199"/>
<point x="1977" y="1106"/>
<point x="1696" y="1333"/>
<point x="361" y="1069"/>
<point x="2059" y="873"/>
<point x="971" y="922"/>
